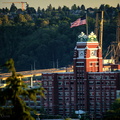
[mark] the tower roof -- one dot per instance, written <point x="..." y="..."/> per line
<point x="90" y="38"/>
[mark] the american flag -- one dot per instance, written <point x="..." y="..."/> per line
<point x="78" y="22"/>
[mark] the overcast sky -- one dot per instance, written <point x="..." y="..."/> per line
<point x="56" y="3"/>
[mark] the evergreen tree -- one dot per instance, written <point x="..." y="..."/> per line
<point x="13" y="8"/>
<point x="74" y="7"/>
<point x="82" y="7"/>
<point x="14" y="92"/>
<point x="38" y="10"/>
<point x="49" y="8"/>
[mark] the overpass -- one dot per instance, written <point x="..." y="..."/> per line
<point x="31" y="73"/>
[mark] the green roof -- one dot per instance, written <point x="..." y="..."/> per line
<point x="84" y="38"/>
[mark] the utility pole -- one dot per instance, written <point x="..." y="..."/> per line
<point x="96" y="25"/>
<point x="101" y="30"/>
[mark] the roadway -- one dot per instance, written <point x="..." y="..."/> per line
<point x="30" y="73"/>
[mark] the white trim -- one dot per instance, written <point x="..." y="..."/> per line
<point x="101" y="73"/>
<point x="80" y="49"/>
<point x="87" y="48"/>
<point x="87" y="42"/>
<point x="80" y="66"/>
<point x="89" y="58"/>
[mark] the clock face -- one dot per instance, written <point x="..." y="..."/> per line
<point x="93" y="53"/>
<point x="81" y="53"/>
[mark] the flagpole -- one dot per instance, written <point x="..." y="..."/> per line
<point x="86" y="25"/>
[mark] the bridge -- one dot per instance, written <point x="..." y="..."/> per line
<point x="31" y="73"/>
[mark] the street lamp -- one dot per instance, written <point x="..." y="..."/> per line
<point x="79" y="116"/>
<point x="38" y="116"/>
<point x="79" y="112"/>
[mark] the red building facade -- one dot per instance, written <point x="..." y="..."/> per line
<point x="87" y="88"/>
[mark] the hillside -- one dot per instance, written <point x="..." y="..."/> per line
<point x="43" y="38"/>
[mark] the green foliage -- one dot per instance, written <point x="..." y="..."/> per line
<point x="114" y="113"/>
<point x="45" y="37"/>
<point x="20" y="18"/>
<point x="14" y="92"/>
<point x="68" y="119"/>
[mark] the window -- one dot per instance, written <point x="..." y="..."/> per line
<point x="60" y="93"/>
<point x="66" y="93"/>
<point x="60" y="88"/>
<point x="66" y="88"/>
<point x="112" y="77"/>
<point x="91" y="88"/>
<point x="98" y="77"/>
<point x="80" y="64"/>
<point x="107" y="77"/>
<point x="107" y="82"/>
<point x="60" y="83"/>
<point x="112" y="82"/>
<point x="50" y="83"/>
<point x="71" y="82"/>
<point x="91" y="93"/>
<point x="66" y="98"/>
<point x="118" y="93"/>
<point x="61" y="98"/>
<point x="97" y="88"/>
<point x="98" y="82"/>
<point x="45" y="83"/>
<point x="97" y="93"/>
<point x="91" y="82"/>
<point x="90" y="64"/>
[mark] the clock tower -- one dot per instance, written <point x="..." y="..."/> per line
<point x="87" y="58"/>
<point x="87" y="54"/>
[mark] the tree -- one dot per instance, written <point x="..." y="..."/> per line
<point x="114" y="113"/>
<point x="31" y="10"/>
<point x="5" y="20"/>
<point x="20" y="18"/>
<point x="13" y="8"/>
<point x="74" y="7"/>
<point x="38" y="10"/>
<point x="14" y="92"/>
<point x="118" y="6"/>
<point x="102" y="7"/>
<point x="49" y="8"/>
<point x="28" y="17"/>
<point x="82" y="7"/>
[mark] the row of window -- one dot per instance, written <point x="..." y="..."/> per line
<point x="91" y="64"/>
<point x="102" y="82"/>
<point x="100" y="77"/>
<point x="65" y="82"/>
<point x="65" y="93"/>
<point x="103" y="98"/>
<point x="102" y="88"/>
<point x="65" y="77"/>
<point x="66" y="88"/>
<point x="103" y="93"/>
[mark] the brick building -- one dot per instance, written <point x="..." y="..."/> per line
<point x="88" y="87"/>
